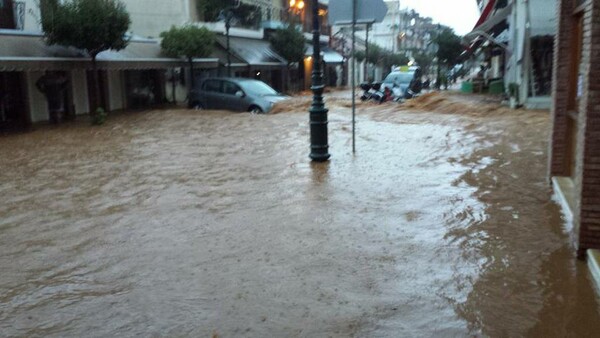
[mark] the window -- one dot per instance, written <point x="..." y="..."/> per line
<point x="212" y="86"/>
<point x="7" y="15"/>
<point x="230" y="88"/>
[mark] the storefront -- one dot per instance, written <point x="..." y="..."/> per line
<point x="521" y="34"/>
<point x="575" y="150"/>
<point x="13" y="107"/>
<point x="263" y="63"/>
<point x="332" y="66"/>
<point x="144" y="88"/>
<point x="57" y="83"/>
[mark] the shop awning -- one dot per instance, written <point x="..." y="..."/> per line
<point x="221" y="54"/>
<point x="329" y="55"/>
<point x="486" y="13"/>
<point x="489" y="26"/>
<point x="494" y="23"/>
<point x="28" y="52"/>
<point x="254" y="52"/>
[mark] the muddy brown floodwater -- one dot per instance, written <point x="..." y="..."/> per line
<point x="185" y="223"/>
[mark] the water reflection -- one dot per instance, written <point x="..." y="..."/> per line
<point x="320" y="171"/>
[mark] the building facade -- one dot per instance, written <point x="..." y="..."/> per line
<point x="386" y="33"/>
<point x="575" y="147"/>
<point x="518" y="37"/>
<point x="151" y="17"/>
<point x="37" y="79"/>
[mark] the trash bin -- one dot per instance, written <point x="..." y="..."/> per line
<point x="496" y="87"/>
<point x="466" y="87"/>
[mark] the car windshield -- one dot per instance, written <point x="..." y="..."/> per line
<point x="257" y="88"/>
<point x="399" y="77"/>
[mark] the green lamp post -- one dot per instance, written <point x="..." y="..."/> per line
<point x="319" y="148"/>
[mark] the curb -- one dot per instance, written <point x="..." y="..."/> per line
<point x="594" y="266"/>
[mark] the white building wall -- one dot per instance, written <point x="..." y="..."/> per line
<point x="515" y="64"/>
<point x="80" y="92"/>
<point x="32" y="16"/>
<point x="384" y="34"/>
<point x="148" y="17"/>
<point x="529" y="18"/>
<point x="544" y="17"/>
<point x="151" y="17"/>
<point x="116" y="90"/>
<point x="37" y="101"/>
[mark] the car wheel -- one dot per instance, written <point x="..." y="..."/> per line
<point x="255" y="110"/>
<point x="196" y="106"/>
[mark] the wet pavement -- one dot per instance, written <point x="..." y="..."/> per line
<point x="185" y="223"/>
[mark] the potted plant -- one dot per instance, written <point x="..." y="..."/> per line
<point x="513" y="92"/>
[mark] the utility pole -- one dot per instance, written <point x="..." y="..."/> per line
<point x="227" y="26"/>
<point x="353" y="76"/>
<point x="366" y="70"/>
<point x="227" y="15"/>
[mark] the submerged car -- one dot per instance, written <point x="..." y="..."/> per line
<point x="404" y="84"/>
<point x="237" y="94"/>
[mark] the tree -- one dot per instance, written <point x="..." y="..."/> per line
<point x="382" y="57"/>
<point x="376" y="54"/>
<point x="449" y="47"/>
<point x="394" y="59"/>
<point x="189" y="42"/>
<point x="90" y="25"/>
<point x="245" y="14"/>
<point x="360" y="55"/>
<point x="449" y="50"/>
<point x="209" y="10"/>
<point x="424" y="60"/>
<point x="290" y="44"/>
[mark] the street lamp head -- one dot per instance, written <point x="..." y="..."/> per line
<point x="297" y="4"/>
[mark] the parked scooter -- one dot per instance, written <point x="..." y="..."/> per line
<point x="372" y="92"/>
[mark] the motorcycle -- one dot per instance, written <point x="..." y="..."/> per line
<point x="372" y="91"/>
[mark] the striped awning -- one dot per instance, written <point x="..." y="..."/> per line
<point x="254" y="52"/>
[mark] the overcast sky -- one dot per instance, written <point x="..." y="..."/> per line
<point x="458" y="14"/>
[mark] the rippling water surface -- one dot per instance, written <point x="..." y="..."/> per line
<point x="183" y="223"/>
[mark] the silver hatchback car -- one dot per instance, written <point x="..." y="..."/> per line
<point x="237" y="94"/>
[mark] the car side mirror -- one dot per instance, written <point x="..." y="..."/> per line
<point x="239" y="93"/>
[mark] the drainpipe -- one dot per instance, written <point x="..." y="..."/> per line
<point x="527" y="51"/>
<point x="515" y="55"/>
<point x="186" y="11"/>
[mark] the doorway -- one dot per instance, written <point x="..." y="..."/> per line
<point x="14" y="114"/>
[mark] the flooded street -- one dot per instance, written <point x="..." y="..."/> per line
<point x="185" y="223"/>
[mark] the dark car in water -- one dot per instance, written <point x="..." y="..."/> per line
<point x="237" y="94"/>
<point x="404" y="84"/>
